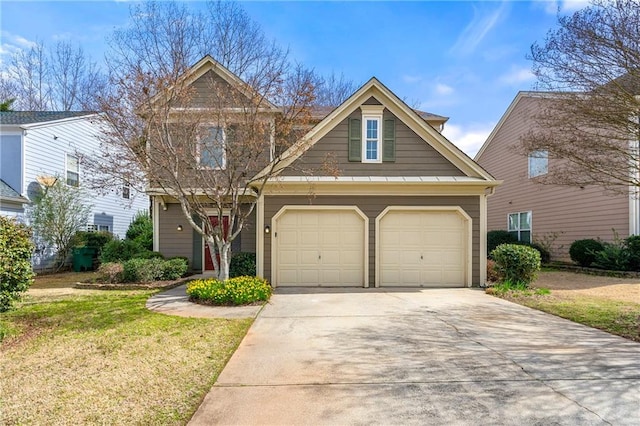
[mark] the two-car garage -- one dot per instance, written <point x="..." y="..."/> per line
<point x="410" y="246"/>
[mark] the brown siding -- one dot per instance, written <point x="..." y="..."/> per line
<point x="414" y="157"/>
<point x="372" y="207"/>
<point x="572" y="212"/>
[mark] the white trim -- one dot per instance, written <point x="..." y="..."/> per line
<point x="200" y="146"/>
<point x="541" y="154"/>
<point x="456" y="209"/>
<point x="66" y="168"/>
<point x="483" y="240"/>
<point x="530" y="230"/>
<point x="285" y="208"/>
<point x="260" y="236"/>
<point x="34" y="125"/>
<point x="156" y="224"/>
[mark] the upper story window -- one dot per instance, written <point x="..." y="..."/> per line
<point x="126" y="190"/>
<point x="519" y="225"/>
<point x="371" y="142"/>
<point x="212" y="148"/>
<point x="538" y="163"/>
<point x="73" y="171"/>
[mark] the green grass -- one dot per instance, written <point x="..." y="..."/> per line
<point x="616" y="317"/>
<point x="104" y="358"/>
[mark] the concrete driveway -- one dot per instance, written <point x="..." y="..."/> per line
<point x="402" y="357"/>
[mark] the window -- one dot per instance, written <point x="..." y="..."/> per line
<point x="519" y="225"/>
<point x="212" y="148"/>
<point x="92" y="228"/>
<point x="371" y="140"/>
<point x="538" y="163"/>
<point x="73" y="171"/>
<point x="126" y="190"/>
<point x="103" y="228"/>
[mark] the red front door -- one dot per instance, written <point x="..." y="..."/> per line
<point x="208" y="262"/>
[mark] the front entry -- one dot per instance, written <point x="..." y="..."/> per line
<point x="208" y="262"/>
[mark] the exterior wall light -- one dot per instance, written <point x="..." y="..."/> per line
<point x="179" y="228"/>
<point x="267" y="229"/>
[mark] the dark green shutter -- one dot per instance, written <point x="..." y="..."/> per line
<point x="355" y="140"/>
<point x="389" y="141"/>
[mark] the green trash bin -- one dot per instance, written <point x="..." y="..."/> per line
<point x="83" y="258"/>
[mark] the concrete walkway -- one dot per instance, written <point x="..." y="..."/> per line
<point x="415" y="357"/>
<point x="176" y="302"/>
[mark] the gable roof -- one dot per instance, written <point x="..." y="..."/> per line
<point x="18" y="118"/>
<point x="206" y="64"/>
<point x="400" y="109"/>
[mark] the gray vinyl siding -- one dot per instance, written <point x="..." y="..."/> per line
<point x="372" y="207"/>
<point x="188" y="242"/>
<point x="570" y="212"/>
<point x="414" y="156"/>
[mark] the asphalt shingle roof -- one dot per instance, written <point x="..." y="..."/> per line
<point x="7" y="191"/>
<point x="29" y="117"/>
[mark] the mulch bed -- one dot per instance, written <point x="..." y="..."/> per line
<point x="162" y="285"/>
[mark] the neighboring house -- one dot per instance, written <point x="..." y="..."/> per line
<point x="535" y="211"/>
<point x="407" y="209"/>
<point x="40" y="144"/>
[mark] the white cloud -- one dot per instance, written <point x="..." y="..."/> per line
<point x="516" y="76"/>
<point x="443" y="89"/>
<point x="564" y="6"/>
<point x="481" y="24"/>
<point x="468" y="138"/>
<point x="11" y="44"/>
<point x="411" y="79"/>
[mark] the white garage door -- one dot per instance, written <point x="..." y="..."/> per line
<point x="422" y="248"/>
<point x="320" y="248"/>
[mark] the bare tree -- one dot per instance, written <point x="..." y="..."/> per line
<point x="61" y="78"/>
<point x="201" y="145"/>
<point x="590" y="119"/>
<point x="333" y="90"/>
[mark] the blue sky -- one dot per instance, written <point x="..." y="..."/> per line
<point x="462" y="59"/>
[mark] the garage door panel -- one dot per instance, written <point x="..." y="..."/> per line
<point x="422" y="248"/>
<point x="329" y="247"/>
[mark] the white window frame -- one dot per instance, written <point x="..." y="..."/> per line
<point x="223" y="166"/>
<point x="536" y="158"/>
<point x="126" y="190"/>
<point x="372" y="112"/>
<point x="104" y="228"/>
<point x="67" y="170"/>
<point x="518" y="229"/>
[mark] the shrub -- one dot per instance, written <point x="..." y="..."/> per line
<point x="613" y="257"/>
<point x="143" y="270"/>
<point x="495" y="238"/>
<point x="633" y="247"/>
<point x="111" y="273"/>
<point x="234" y="291"/>
<point x="516" y="263"/>
<point x="121" y="251"/>
<point x="583" y="251"/>
<point x="242" y="264"/>
<point x="173" y="269"/>
<point x="545" y="256"/>
<point x="492" y="273"/>
<point x="16" y="273"/>
<point x="147" y="254"/>
<point x="141" y="230"/>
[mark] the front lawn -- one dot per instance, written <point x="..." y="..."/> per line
<point x="610" y="304"/>
<point x="100" y="357"/>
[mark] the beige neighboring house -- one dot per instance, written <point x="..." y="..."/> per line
<point x="533" y="211"/>
<point x="407" y="209"/>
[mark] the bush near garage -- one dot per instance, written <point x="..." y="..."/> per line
<point x="16" y="273"/>
<point x="242" y="290"/>
<point x="497" y="237"/>
<point x="583" y="252"/>
<point x="242" y="264"/>
<point x="142" y="270"/>
<point x="516" y="264"/>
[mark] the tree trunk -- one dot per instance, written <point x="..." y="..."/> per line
<point x="225" y="260"/>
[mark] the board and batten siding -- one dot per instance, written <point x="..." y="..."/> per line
<point x="372" y="207"/>
<point x="571" y="212"/>
<point x="45" y="150"/>
<point x="414" y="156"/>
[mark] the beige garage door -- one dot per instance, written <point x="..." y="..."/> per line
<point x="320" y="248"/>
<point x="422" y="248"/>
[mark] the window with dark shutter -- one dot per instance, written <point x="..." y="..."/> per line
<point x="389" y="142"/>
<point x="355" y="140"/>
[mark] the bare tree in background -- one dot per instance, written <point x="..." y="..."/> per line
<point x="589" y="124"/>
<point x="333" y="90"/>
<point x="61" y="78"/>
<point x="201" y="147"/>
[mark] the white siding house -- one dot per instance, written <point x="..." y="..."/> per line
<point x="45" y="144"/>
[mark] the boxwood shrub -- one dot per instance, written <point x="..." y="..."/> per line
<point x="242" y="264"/>
<point x="516" y="264"/>
<point x="497" y="237"/>
<point x="584" y="252"/>
<point x="234" y="291"/>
